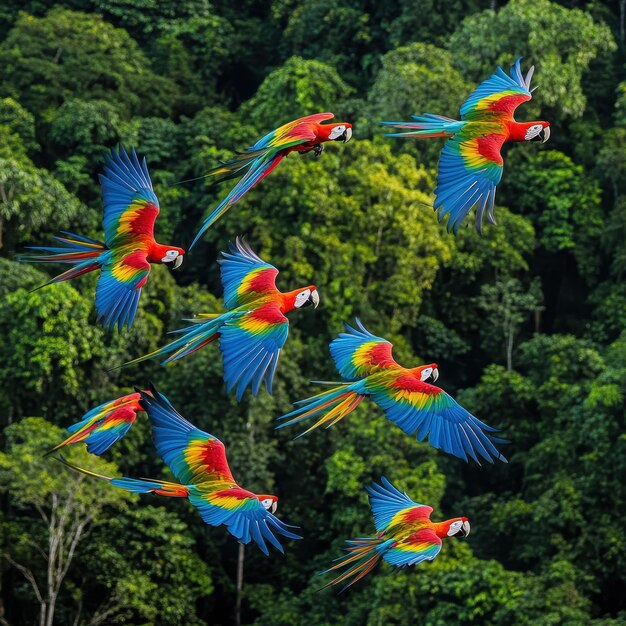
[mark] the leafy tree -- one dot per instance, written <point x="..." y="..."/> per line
<point x="507" y="306"/>
<point x="562" y="42"/>
<point x="300" y="87"/>
<point x="57" y="509"/>
<point x="29" y="197"/>
<point x="67" y="54"/>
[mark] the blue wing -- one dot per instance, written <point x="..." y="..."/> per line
<point x="243" y="515"/>
<point x="119" y="287"/>
<point x="130" y="204"/>
<point x="257" y="171"/>
<point x="467" y="176"/>
<point x="386" y="502"/>
<point x="251" y="346"/>
<point x="245" y="276"/>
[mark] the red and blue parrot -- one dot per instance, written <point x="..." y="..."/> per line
<point x="419" y="408"/>
<point x="306" y="134"/>
<point x="470" y="165"/>
<point x="102" y="426"/>
<point x="130" y="211"/>
<point x="198" y="460"/>
<point x="405" y="535"/>
<point x="254" y="328"/>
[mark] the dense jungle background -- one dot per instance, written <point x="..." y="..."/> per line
<point x="527" y="324"/>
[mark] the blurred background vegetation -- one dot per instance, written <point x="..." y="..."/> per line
<point x="527" y="323"/>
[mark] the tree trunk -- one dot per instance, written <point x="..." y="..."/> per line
<point x="622" y="14"/>
<point x="509" y="350"/>
<point x="240" y="562"/>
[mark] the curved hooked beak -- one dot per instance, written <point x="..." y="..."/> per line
<point x="314" y="299"/>
<point x="274" y="507"/>
<point x="346" y="135"/>
<point x="543" y="135"/>
<point x="465" y="529"/>
<point x="435" y="375"/>
<point x="178" y="262"/>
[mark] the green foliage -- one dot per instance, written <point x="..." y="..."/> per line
<point x="562" y="42"/>
<point x="29" y="197"/>
<point x="300" y="87"/>
<point x="189" y="83"/>
<point x="45" y="61"/>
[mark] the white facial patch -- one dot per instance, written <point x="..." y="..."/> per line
<point x="533" y="131"/>
<point x="170" y="255"/>
<point x="302" y="298"/>
<point x="425" y="375"/>
<point x="267" y="503"/>
<point x="337" y="131"/>
<point x="454" y="528"/>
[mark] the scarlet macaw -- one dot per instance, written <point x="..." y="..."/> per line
<point x="101" y="427"/>
<point x="130" y="211"/>
<point x="254" y="328"/>
<point x="367" y="365"/>
<point x="406" y="536"/>
<point x="198" y="460"/>
<point x="306" y="134"/>
<point x="470" y="165"/>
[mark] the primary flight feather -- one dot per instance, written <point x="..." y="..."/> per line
<point x="306" y="134"/>
<point x="129" y="248"/>
<point x="470" y="166"/>
<point x="198" y="460"/>
<point x="419" y="408"/>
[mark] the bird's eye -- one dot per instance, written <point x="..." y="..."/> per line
<point x="533" y="131"/>
<point x="302" y="298"/>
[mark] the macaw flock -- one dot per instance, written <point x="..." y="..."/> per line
<point x="254" y="329"/>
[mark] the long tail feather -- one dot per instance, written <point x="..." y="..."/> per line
<point x="426" y="126"/>
<point x="135" y="485"/>
<point x="80" y="252"/>
<point x="329" y="407"/>
<point x="363" y="555"/>
<point x="203" y="331"/>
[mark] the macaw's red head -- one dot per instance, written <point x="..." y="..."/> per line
<point x="301" y="298"/>
<point x="270" y="503"/>
<point x="531" y="131"/>
<point x="426" y="372"/>
<point x="338" y="131"/>
<point x="455" y="527"/>
<point x="168" y="255"/>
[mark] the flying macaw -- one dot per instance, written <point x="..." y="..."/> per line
<point x="406" y="536"/>
<point x="254" y="328"/>
<point x="130" y="211"/>
<point x="303" y="135"/>
<point x="367" y="365"/>
<point x="101" y="427"/>
<point x="470" y="165"/>
<point x="198" y="460"/>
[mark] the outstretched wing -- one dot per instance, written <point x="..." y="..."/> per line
<point x="245" y="276"/>
<point x="499" y="95"/>
<point x="243" y="514"/>
<point x="423" y="545"/>
<point x="425" y="410"/>
<point x="357" y="353"/>
<point x="193" y="455"/>
<point x="259" y="161"/>
<point x="130" y="204"/>
<point x="391" y="507"/>
<point x="124" y="273"/>
<point x="251" y="345"/>
<point x="470" y="167"/>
